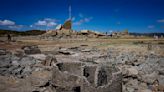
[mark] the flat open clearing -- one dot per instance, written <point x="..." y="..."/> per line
<point x="101" y="44"/>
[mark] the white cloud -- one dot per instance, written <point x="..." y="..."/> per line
<point x="151" y="26"/>
<point x="50" y="20"/>
<point x="10" y="24"/>
<point x="160" y="21"/>
<point x="6" y="22"/>
<point x="46" y="22"/>
<point x="110" y="31"/>
<point x="41" y="23"/>
<point x="51" y="24"/>
<point x="87" y="19"/>
<point x="15" y="26"/>
<point x="31" y="25"/>
<point x="84" y="20"/>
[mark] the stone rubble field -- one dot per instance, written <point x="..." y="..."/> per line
<point x="80" y="69"/>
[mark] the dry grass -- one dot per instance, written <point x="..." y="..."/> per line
<point x="102" y="44"/>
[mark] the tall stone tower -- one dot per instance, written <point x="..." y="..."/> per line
<point x="68" y="22"/>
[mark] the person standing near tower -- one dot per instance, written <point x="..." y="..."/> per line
<point x="9" y="37"/>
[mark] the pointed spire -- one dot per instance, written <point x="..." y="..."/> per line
<point x="70" y="10"/>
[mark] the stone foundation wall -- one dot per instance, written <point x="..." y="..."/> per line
<point x="80" y="77"/>
<point x="29" y="70"/>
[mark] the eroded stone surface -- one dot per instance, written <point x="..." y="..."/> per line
<point x="80" y="70"/>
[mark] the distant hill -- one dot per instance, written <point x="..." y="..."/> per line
<point x="24" y="33"/>
<point x="40" y="32"/>
<point x="147" y="34"/>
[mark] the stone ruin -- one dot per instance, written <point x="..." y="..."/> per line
<point x="67" y="24"/>
<point x="65" y="30"/>
<point x="62" y="30"/>
<point x="36" y="72"/>
<point x="79" y="77"/>
<point x="79" y="69"/>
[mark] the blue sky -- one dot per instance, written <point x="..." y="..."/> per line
<point x="97" y="15"/>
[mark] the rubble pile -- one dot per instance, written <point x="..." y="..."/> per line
<point x="141" y="73"/>
<point x="80" y="69"/>
<point x="38" y="72"/>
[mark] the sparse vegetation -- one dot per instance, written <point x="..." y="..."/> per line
<point x="23" y="33"/>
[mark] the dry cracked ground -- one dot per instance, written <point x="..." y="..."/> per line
<point x="30" y="64"/>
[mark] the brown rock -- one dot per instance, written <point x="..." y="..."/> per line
<point x="40" y="78"/>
